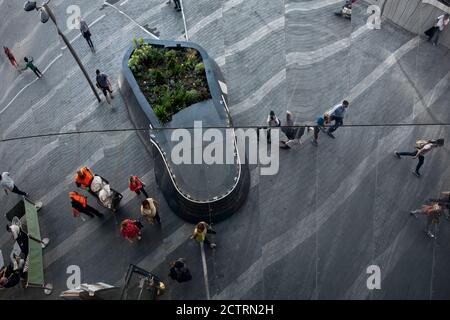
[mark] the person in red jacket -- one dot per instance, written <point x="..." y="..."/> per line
<point x="130" y="229"/>
<point x="137" y="186"/>
<point x="11" y="57"/>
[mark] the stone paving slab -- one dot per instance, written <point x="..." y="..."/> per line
<point x="307" y="233"/>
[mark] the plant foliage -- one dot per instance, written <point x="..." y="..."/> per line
<point x="170" y="78"/>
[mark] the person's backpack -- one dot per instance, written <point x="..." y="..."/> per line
<point x="421" y="143"/>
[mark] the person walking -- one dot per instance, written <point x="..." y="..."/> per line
<point x="83" y="178"/>
<point x="200" y="231"/>
<point x="104" y="84"/>
<point x="8" y="184"/>
<point x="149" y="211"/>
<point x="131" y="229"/>
<point x="136" y="185"/>
<point x="11" y="57"/>
<point x="32" y="67"/>
<point x="293" y="134"/>
<point x="179" y="271"/>
<point x="337" y="115"/>
<point x="433" y="213"/>
<point x="272" y="121"/>
<point x="79" y="204"/>
<point x="422" y="148"/>
<point x="321" y="122"/>
<point x="86" y="33"/>
<point x="434" y="32"/>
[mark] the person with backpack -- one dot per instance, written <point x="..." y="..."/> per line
<point x="434" y="32"/>
<point x="200" y="231"/>
<point x="179" y="271"/>
<point x="422" y="148"/>
<point x="433" y="212"/>
<point x="272" y="121"/>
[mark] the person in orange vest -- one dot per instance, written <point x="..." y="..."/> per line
<point x="79" y="204"/>
<point x="84" y="178"/>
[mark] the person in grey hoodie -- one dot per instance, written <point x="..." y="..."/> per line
<point x="84" y="28"/>
<point x="8" y="184"/>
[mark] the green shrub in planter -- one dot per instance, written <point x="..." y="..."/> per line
<point x="170" y="79"/>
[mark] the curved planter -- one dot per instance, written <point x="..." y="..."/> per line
<point x="195" y="192"/>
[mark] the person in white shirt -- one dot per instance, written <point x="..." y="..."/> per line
<point x="434" y="32"/>
<point x="8" y="184"/>
<point x="420" y="151"/>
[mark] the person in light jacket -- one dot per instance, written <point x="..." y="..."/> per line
<point x="149" y="211"/>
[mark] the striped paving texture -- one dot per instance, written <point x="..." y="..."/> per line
<point x="308" y="232"/>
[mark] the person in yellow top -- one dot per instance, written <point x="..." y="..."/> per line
<point x="149" y="211"/>
<point x="200" y="231"/>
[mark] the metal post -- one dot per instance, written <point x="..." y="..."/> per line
<point x="74" y="54"/>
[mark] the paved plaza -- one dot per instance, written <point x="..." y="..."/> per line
<point x="309" y="232"/>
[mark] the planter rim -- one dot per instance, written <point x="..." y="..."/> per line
<point x="218" y="102"/>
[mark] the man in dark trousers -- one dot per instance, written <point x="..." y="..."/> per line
<point x="30" y="64"/>
<point x="79" y="204"/>
<point x="104" y="84"/>
<point x="337" y="115"/>
<point x="422" y="148"/>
